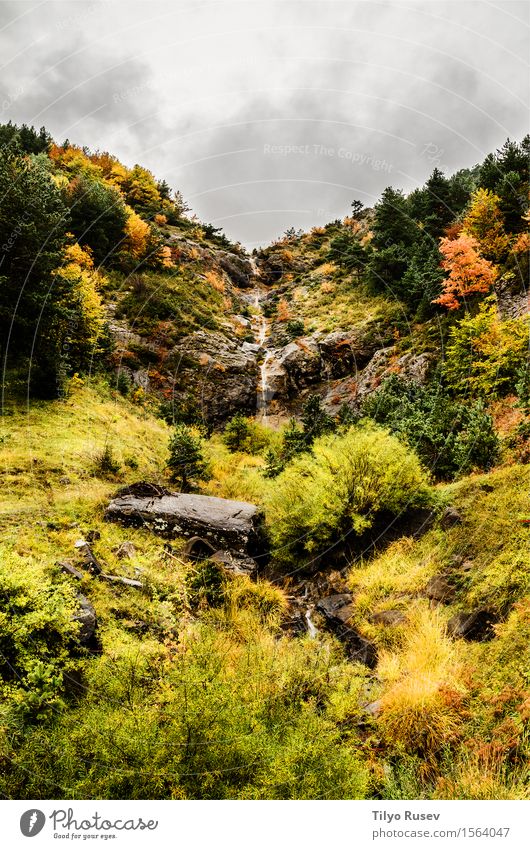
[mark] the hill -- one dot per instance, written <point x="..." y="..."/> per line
<point x="366" y="386"/>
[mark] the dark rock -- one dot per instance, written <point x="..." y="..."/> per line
<point x="86" y="615"/>
<point x="450" y="518"/>
<point x="345" y="352"/>
<point x="126" y="551"/>
<point x="301" y="361"/>
<point x="224" y="524"/>
<point x="93" y="536"/>
<point x="337" y="610"/>
<point x="388" y="617"/>
<point x="239" y="270"/>
<point x="476" y="625"/>
<point x="198" y="548"/>
<point x="439" y="589"/>
<point x="234" y="563"/>
<point x="69" y="569"/>
<point x="143" y="489"/>
<point x="218" y="372"/>
<point x="89" y="559"/>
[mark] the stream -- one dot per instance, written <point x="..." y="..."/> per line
<point x="260" y="327"/>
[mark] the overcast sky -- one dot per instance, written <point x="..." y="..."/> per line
<point x="267" y="115"/>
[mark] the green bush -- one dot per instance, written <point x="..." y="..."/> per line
<point x="341" y="487"/>
<point x="450" y="437"/>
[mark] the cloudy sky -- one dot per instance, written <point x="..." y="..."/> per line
<point x="272" y="114"/>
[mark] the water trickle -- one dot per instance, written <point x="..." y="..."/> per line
<point x="312" y="631"/>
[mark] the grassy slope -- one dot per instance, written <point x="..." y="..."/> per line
<point x="190" y="658"/>
<point x="461" y="709"/>
<point x="453" y="714"/>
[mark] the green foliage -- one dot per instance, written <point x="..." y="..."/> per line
<point x="421" y="282"/>
<point x="34" y="302"/>
<point x="105" y="463"/>
<point x="487" y="352"/>
<point x="315" y="420"/>
<point x="450" y="437"/>
<point x="246" y="434"/>
<point x="236" y="434"/>
<point x="340" y="488"/>
<point x="123" y="383"/>
<point x="506" y="172"/>
<point x="37" y="639"/>
<point x="295" y="327"/>
<point x="186" y="459"/>
<point x="98" y="216"/>
<point x="24" y="139"/>
<point x="346" y="251"/>
<point x="295" y="440"/>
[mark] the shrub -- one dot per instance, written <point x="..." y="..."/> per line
<point x="186" y="461"/>
<point x="105" y="464"/>
<point x="450" y="437"/>
<point x="339" y="488"/>
<point x="237" y="433"/>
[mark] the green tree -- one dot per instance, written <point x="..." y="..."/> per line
<point x="422" y="281"/>
<point x="315" y="420"/>
<point x="394" y="235"/>
<point x="236" y="433"/>
<point x="33" y="299"/>
<point x="98" y="216"/>
<point x="24" y="139"/>
<point x="186" y="459"/>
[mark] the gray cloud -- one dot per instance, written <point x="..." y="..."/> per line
<point x="269" y="114"/>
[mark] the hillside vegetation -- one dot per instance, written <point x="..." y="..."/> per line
<point x="381" y="649"/>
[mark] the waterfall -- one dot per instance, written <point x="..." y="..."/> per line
<point x="261" y="327"/>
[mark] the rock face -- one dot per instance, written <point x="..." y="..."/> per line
<point x="475" y="625"/>
<point x="337" y="610"/>
<point x="221" y="374"/>
<point x="224" y="524"/>
<point x="354" y="389"/>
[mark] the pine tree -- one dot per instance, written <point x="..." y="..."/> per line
<point x="186" y="460"/>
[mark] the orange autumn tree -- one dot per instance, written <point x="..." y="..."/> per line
<point x="468" y="271"/>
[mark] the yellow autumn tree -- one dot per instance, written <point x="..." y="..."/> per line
<point x="137" y="232"/>
<point x="484" y="221"/>
<point x="82" y="301"/>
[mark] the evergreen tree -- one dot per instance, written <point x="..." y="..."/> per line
<point x="236" y="433"/>
<point x="186" y="460"/>
<point x="33" y="299"/>
<point x="98" y="215"/>
<point x="315" y="420"/>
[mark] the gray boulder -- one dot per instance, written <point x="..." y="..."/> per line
<point x="224" y="524"/>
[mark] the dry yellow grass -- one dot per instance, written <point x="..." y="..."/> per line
<point x="421" y="705"/>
